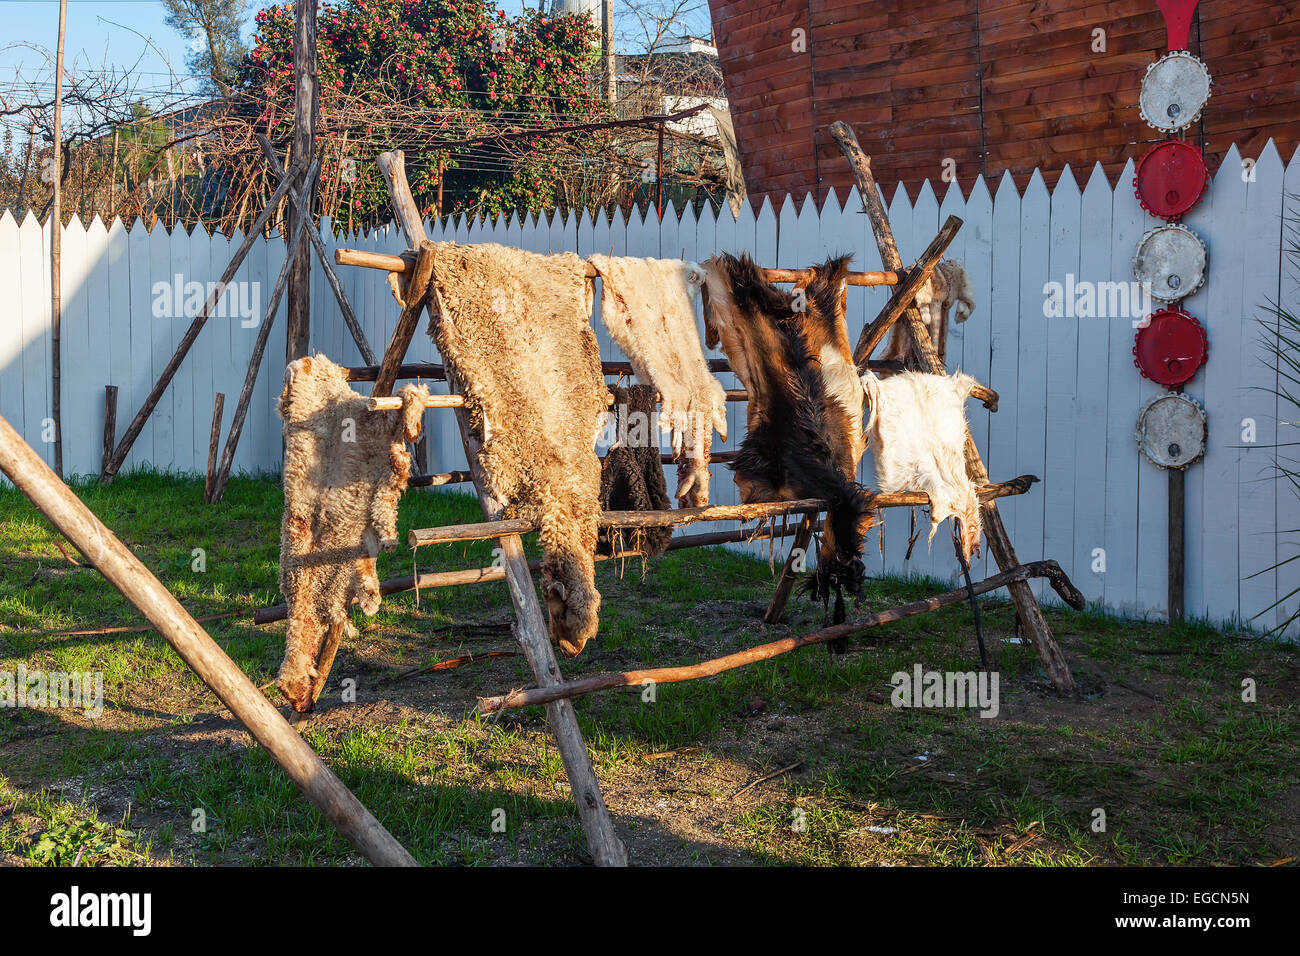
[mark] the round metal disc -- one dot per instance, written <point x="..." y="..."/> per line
<point x="1174" y="91"/>
<point x="1170" y="261"/>
<point x="1170" y="178"/>
<point x="1171" y="431"/>
<point x="1170" y="347"/>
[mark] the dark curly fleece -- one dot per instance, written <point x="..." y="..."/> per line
<point x="632" y="479"/>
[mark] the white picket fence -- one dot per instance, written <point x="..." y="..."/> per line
<point x="1070" y="392"/>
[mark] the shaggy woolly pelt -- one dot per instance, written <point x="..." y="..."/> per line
<point x="801" y="441"/>
<point x="516" y="329"/>
<point x="345" y="467"/>
<point x="917" y="436"/>
<point x="647" y="306"/>
<point x="949" y="284"/>
<point x="631" y="475"/>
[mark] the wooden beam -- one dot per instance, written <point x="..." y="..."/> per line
<point x="110" y="422"/>
<point x="797" y="558"/>
<point x="995" y="532"/>
<point x="417" y="290"/>
<point x="126" y="573"/>
<point x="670" y="675"/>
<point x="192" y="333"/>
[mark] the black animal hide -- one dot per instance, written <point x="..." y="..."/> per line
<point x="631" y="475"/>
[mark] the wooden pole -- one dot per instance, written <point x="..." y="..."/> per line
<point x="789" y="570"/>
<point x="56" y="251"/>
<point x="322" y="256"/>
<point x="1177" y="507"/>
<point x="214" y="442"/>
<point x="305" y="108"/>
<point x="417" y="290"/>
<point x="670" y="675"/>
<point x="192" y="333"/>
<point x="609" y="56"/>
<point x="110" y="419"/>
<point x="123" y="569"/>
<point x="994" y="531"/>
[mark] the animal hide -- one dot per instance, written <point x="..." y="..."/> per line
<point x="949" y="284"/>
<point x="802" y="441"/>
<point x="646" y="304"/>
<point x="631" y="476"/>
<point x="345" y="467"/>
<point x="515" y="327"/>
<point x="917" y="435"/>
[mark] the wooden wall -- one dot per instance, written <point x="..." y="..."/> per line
<point x="993" y="85"/>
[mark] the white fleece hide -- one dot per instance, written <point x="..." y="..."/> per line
<point x="648" y="307"/>
<point x="917" y="436"/>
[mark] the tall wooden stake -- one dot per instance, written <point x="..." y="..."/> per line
<point x="995" y="532"/>
<point x="56" y="250"/>
<point x="306" y="105"/>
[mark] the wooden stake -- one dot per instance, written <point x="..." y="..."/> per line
<point x="214" y="442"/>
<point x="995" y="532"/>
<point x="670" y="675"/>
<point x="785" y="584"/>
<point x="123" y="569"/>
<point x="192" y="333"/>
<point x="110" y="420"/>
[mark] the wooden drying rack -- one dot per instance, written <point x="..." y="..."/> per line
<point x="530" y="628"/>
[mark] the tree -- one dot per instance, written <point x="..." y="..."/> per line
<point x="215" y="28"/>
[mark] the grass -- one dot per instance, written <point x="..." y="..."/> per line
<point x="1161" y="744"/>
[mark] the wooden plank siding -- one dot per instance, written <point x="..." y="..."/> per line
<point x="993" y="85"/>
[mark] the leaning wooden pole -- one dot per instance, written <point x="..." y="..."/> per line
<point x="126" y="573"/>
<point x="995" y="533"/>
<point x="530" y="625"/>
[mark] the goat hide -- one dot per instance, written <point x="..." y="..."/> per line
<point x="647" y="306"/>
<point x="515" y="328"/>
<point x="802" y="441"/>
<point x="949" y="284"/>
<point x="631" y="475"/>
<point x="917" y="436"/>
<point x="345" y="467"/>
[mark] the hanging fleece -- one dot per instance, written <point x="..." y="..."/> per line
<point x="647" y="306"/>
<point x="949" y="284"/>
<point x="515" y="327"/>
<point x="802" y="440"/>
<point x="631" y="475"/>
<point x="345" y="467"/>
<point x="917" y="435"/>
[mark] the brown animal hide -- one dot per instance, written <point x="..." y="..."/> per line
<point x="345" y="467"/>
<point x="949" y="284"/>
<point x="515" y="327"/>
<point x="631" y="476"/>
<point x="647" y="306"/>
<point x="802" y="441"/>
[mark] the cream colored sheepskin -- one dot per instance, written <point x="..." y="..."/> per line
<point x="345" y="467"/>
<point x="516" y="329"/>
<point x="917" y="436"/>
<point x="647" y="306"/>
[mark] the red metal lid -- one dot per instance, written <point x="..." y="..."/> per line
<point x="1170" y="348"/>
<point x="1170" y="179"/>
<point x="1178" y="20"/>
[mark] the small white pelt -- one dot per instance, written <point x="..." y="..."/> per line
<point x="949" y="283"/>
<point x="647" y="306"/>
<point x="917" y="436"/>
<point x="345" y="467"/>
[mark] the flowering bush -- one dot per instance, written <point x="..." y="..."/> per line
<point x="410" y="73"/>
